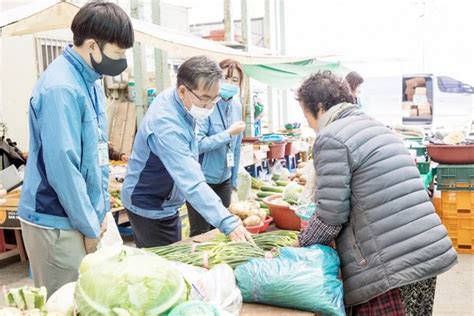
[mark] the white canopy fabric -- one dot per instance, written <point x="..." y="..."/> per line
<point x="46" y="15"/>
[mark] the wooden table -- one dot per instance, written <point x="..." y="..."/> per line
<point x="9" y="221"/>
<point x="250" y="309"/>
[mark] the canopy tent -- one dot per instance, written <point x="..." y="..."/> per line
<point x="44" y="16"/>
<point x="289" y="75"/>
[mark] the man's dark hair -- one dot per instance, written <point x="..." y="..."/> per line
<point x="354" y="80"/>
<point x="104" y="22"/>
<point x="323" y="90"/>
<point x="197" y="71"/>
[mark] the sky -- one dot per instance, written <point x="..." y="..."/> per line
<point x="374" y="37"/>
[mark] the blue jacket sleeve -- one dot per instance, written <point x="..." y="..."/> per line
<point x="188" y="177"/>
<point x="60" y="129"/>
<point x="209" y="143"/>
<point x="235" y="168"/>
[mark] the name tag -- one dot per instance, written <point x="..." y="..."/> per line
<point x="230" y="159"/>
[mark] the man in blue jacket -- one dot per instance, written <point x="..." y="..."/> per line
<point x="65" y="193"/>
<point x="163" y="170"/>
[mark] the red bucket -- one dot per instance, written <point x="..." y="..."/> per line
<point x="283" y="216"/>
<point x="277" y="151"/>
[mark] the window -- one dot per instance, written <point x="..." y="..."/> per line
<point x="47" y="49"/>
<point x="450" y="85"/>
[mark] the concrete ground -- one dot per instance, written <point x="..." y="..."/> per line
<point x="454" y="291"/>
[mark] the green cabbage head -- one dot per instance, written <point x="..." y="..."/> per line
<point x="127" y="281"/>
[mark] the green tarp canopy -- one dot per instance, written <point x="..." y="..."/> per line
<point x="290" y="75"/>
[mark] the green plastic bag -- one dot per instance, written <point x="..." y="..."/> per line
<point x="300" y="278"/>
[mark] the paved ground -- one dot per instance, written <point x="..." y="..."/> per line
<point x="454" y="292"/>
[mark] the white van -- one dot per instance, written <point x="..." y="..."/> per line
<point x="419" y="99"/>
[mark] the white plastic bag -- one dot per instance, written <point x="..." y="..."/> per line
<point x="111" y="236"/>
<point x="244" y="184"/>
<point x="309" y="192"/>
<point x="62" y="301"/>
<point x="216" y="286"/>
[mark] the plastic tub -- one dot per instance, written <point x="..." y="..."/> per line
<point x="266" y="223"/>
<point x="283" y="216"/>
<point x="277" y="151"/>
<point x="451" y="154"/>
<point x="290" y="150"/>
<point x="255" y="229"/>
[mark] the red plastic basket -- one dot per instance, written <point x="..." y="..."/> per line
<point x="283" y="216"/>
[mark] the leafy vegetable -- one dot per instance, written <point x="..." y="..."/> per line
<point x="128" y="281"/>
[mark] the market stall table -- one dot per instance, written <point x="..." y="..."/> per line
<point x="249" y="309"/>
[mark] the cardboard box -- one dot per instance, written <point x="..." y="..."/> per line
<point x="420" y="91"/>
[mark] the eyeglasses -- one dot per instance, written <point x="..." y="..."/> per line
<point x="205" y="100"/>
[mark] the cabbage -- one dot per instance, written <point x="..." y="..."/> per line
<point x="292" y="192"/>
<point x="127" y="281"/>
<point x="193" y="308"/>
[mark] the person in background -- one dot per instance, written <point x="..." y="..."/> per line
<point x="117" y="155"/>
<point x="258" y="115"/>
<point x="219" y="138"/>
<point x="371" y="201"/>
<point x="65" y="197"/>
<point x="163" y="170"/>
<point x="355" y="81"/>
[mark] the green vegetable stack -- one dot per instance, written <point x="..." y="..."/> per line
<point x="26" y="298"/>
<point x="222" y="250"/>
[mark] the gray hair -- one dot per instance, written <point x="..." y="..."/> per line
<point x="197" y="71"/>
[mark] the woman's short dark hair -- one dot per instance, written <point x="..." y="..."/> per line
<point x="354" y="80"/>
<point x="104" y="22"/>
<point x="323" y="90"/>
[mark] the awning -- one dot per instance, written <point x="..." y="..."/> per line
<point x="44" y="16"/>
<point x="289" y="75"/>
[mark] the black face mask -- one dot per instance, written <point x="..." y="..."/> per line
<point x="109" y="66"/>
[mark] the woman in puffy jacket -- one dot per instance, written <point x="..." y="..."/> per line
<point x="371" y="201"/>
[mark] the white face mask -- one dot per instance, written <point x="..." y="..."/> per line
<point x="200" y="113"/>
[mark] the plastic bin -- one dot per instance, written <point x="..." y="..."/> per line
<point x="451" y="154"/>
<point x="455" y="177"/>
<point x="283" y="216"/>
<point x="290" y="149"/>
<point x="457" y="203"/>
<point x="277" y="151"/>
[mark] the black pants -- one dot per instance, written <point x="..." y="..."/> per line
<point x="155" y="232"/>
<point x="196" y="221"/>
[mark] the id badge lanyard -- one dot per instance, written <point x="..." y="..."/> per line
<point x="230" y="155"/>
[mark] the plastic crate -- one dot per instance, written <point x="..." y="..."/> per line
<point x="420" y="150"/>
<point x="457" y="203"/>
<point x="464" y="246"/>
<point x="455" y="177"/>
<point x="437" y="206"/>
<point x="414" y="139"/>
<point x="423" y="167"/>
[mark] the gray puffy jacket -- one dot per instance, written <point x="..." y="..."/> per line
<point x="369" y="183"/>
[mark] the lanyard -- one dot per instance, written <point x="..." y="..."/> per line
<point x="94" y="101"/>
<point x="220" y="114"/>
<point x="223" y="122"/>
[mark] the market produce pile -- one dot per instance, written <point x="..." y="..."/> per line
<point x="143" y="284"/>
<point x="249" y="212"/>
<point x="27" y="298"/>
<point x="222" y="250"/>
